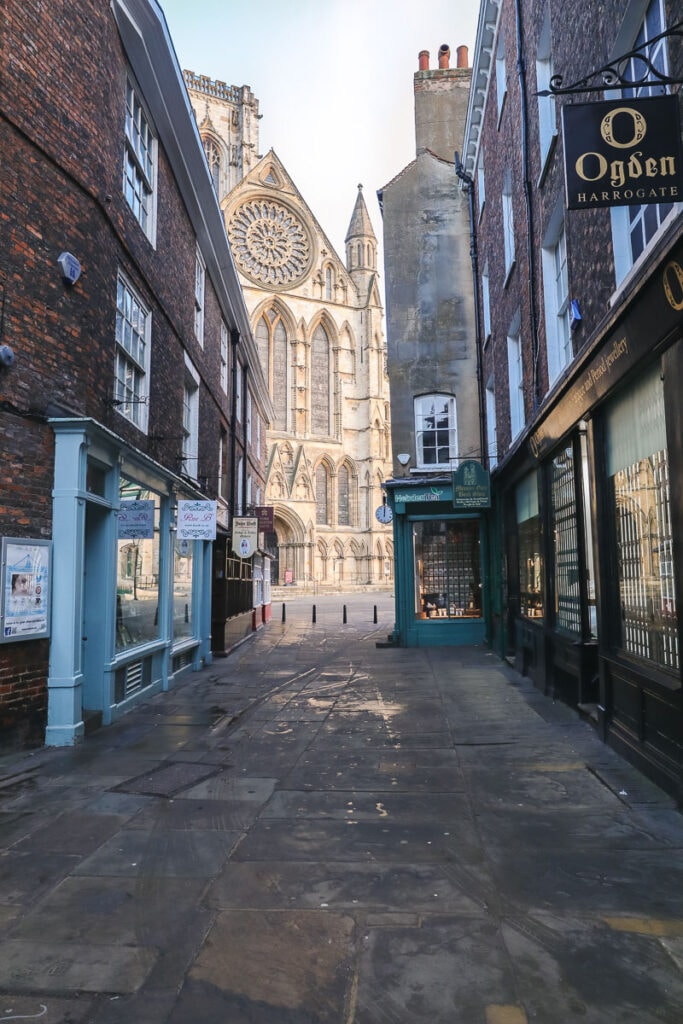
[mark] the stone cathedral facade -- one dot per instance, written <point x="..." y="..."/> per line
<point x="317" y="322"/>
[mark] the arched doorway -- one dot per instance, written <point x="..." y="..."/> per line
<point x="290" y="547"/>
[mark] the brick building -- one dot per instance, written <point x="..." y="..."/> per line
<point x="123" y="330"/>
<point x="580" y="293"/>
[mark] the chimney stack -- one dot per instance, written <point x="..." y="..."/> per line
<point x="423" y="58"/>
<point x="444" y="55"/>
<point x="462" y="54"/>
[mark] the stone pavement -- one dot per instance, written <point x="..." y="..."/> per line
<point x="316" y="829"/>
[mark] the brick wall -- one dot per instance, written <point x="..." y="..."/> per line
<point x="62" y="106"/>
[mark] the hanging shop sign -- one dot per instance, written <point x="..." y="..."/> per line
<point x="135" y="520"/>
<point x="245" y="535"/>
<point x="624" y="152"/>
<point x="196" y="520"/>
<point x="471" y="486"/>
<point x="25" y="595"/>
<point x="265" y="516"/>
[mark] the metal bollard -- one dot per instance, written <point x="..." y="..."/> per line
<point x="344" y="616"/>
<point x="284" y="612"/>
<point x="374" y="617"/>
<point x="313" y="613"/>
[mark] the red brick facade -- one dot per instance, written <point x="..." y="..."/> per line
<point x="62" y="109"/>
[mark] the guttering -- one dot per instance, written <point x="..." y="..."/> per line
<point x="468" y="184"/>
<point x="524" y="117"/>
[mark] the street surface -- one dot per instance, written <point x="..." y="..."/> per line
<point x="317" y="829"/>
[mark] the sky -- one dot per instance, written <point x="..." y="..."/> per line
<point x="334" y="81"/>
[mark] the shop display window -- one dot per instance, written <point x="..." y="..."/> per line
<point x="638" y="472"/>
<point x="137" y="581"/>
<point x="447" y="569"/>
<point x="183" y="570"/>
<point x="566" y="542"/>
<point x="531" y="597"/>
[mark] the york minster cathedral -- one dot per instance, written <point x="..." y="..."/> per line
<point x="317" y="323"/>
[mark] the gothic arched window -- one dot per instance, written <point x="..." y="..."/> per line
<point x="328" y="283"/>
<point x="279" y="382"/>
<point x="272" y="344"/>
<point x="213" y="158"/>
<point x="321" y="491"/>
<point x="320" y="382"/>
<point x="343" y="496"/>
<point x="263" y="346"/>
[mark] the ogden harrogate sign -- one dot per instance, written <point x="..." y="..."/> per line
<point x="624" y="152"/>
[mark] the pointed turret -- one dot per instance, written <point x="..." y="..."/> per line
<point x="361" y="244"/>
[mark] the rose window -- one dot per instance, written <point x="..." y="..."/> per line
<point x="269" y="243"/>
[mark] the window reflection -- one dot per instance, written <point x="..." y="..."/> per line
<point x="137" y="580"/>
<point x="447" y="569"/>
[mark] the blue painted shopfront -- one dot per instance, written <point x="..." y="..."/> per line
<point x="441" y="593"/>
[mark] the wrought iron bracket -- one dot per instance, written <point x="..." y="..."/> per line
<point x="611" y="76"/>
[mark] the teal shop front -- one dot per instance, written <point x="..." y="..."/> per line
<point x="441" y="595"/>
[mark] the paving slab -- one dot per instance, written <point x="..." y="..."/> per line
<point x="303" y="977"/>
<point x="161" y="853"/>
<point x="352" y="887"/>
<point x="315" y="829"/>
<point x="48" y="967"/>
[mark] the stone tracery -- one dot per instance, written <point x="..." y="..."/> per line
<point x="269" y="242"/>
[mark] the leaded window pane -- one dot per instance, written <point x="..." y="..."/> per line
<point x="321" y="489"/>
<point x="343" y="515"/>
<point x="566" y="540"/>
<point x="320" y="382"/>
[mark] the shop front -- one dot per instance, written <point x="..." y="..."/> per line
<point x="440" y="592"/>
<point x="592" y="527"/>
<point x="130" y="599"/>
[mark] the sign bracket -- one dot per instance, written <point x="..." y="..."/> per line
<point x="612" y="75"/>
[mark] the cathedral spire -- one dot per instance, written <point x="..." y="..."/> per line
<point x="361" y="242"/>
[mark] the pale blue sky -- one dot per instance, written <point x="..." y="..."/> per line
<point x="334" y="80"/>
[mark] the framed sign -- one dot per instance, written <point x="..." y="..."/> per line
<point x="624" y="152"/>
<point x="196" y="520"/>
<point x="244" y="535"/>
<point x="471" y="486"/>
<point x="25" y="597"/>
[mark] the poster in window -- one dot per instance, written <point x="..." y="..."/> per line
<point x="25" y="611"/>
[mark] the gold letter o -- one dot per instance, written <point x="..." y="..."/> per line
<point x="639" y="127"/>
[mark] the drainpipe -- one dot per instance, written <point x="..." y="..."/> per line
<point x="234" y="340"/>
<point x="521" y="68"/>
<point x="468" y="183"/>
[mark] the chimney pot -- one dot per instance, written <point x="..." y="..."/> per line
<point x="462" y="54"/>
<point x="423" y="58"/>
<point x="444" y="55"/>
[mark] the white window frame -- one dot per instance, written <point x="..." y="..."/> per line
<point x="224" y="357"/>
<point x="240" y="479"/>
<point x="508" y="226"/>
<point x="486" y="301"/>
<point x="425" y="406"/>
<point x="556" y="297"/>
<point x="625" y="219"/>
<point x="491" y="425"/>
<point x="547" y="107"/>
<point x="248" y="416"/>
<point x="501" y="75"/>
<point x="140" y="162"/>
<point x="515" y="383"/>
<point x="190" y="425"/>
<point x="481" y="182"/>
<point x="238" y="391"/>
<point x="199" y="296"/>
<point x="133" y="342"/>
